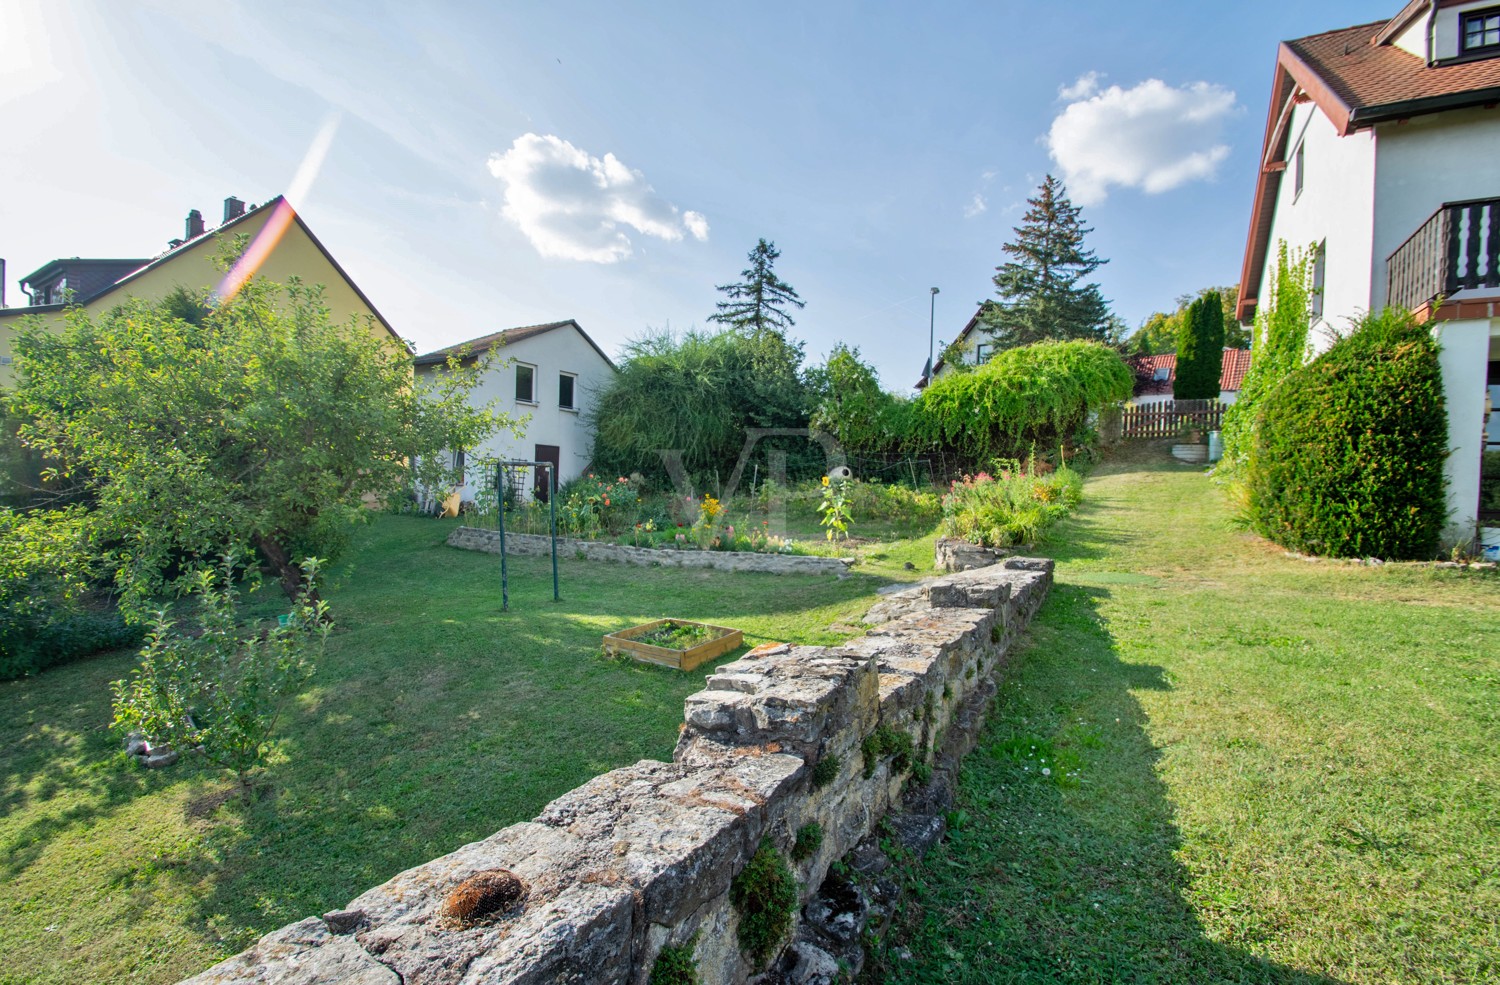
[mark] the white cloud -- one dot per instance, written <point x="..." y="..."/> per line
<point x="977" y="206"/>
<point x="574" y="206"/>
<point x="1153" y="137"/>
<point x="1086" y="86"/>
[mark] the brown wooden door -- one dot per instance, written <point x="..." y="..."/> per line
<point x="545" y="453"/>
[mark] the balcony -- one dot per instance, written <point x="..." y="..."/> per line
<point x="1457" y="249"/>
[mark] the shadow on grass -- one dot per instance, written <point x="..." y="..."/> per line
<point x="1062" y="863"/>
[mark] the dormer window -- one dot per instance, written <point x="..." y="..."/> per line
<point x="1481" y="31"/>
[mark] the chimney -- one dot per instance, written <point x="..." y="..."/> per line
<point x="233" y="208"/>
<point x="194" y="224"/>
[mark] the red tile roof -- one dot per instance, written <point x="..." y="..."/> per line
<point x="1375" y="82"/>
<point x="1231" y="371"/>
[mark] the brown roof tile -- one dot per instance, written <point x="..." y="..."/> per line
<point x="1231" y="371"/>
<point x="1369" y="78"/>
<point x="509" y="336"/>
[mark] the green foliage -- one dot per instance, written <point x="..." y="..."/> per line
<point x="262" y="425"/>
<point x="589" y="505"/>
<point x="1281" y="326"/>
<point x="856" y="411"/>
<point x="826" y="771"/>
<point x="1158" y="333"/>
<point x="1041" y="291"/>
<point x="674" y="964"/>
<point x="1018" y="506"/>
<point x="765" y="896"/>
<point x="695" y="395"/>
<point x="45" y="571"/>
<point x="834" y="509"/>
<point x="1200" y="347"/>
<point x="921" y="772"/>
<point x="758" y="304"/>
<point x="1039" y="395"/>
<point x="218" y="687"/>
<point x="809" y="840"/>
<point x="1349" y="449"/>
<point x="887" y="741"/>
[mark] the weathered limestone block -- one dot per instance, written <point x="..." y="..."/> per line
<point x="951" y="554"/>
<point x="488" y="541"/>
<point x="303" y="953"/>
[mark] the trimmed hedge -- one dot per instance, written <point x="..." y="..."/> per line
<point x="1347" y="458"/>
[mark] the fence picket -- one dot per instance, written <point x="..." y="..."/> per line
<point x="1165" y="419"/>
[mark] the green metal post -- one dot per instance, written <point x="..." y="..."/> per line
<point x="552" y="519"/>
<point x="500" y="502"/>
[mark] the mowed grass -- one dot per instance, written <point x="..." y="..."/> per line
<point x="1262" y="769"/>
<point x="434" y="720"/>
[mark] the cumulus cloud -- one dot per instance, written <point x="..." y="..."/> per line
<point x="1153" y="136"/>
<point x="977" y="206"/>
<point x="574" y="206"/>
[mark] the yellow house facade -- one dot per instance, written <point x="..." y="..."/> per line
<point x="280" y="246"/>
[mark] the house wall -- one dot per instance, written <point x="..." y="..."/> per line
<point x="1334" y="207"/>
<point x="1419" y="165"/>
<point x="1445" y="28"/>
<point x="551" y="353"/>
<point x="1464" y="358"/>
<point x="1414" y="38"/>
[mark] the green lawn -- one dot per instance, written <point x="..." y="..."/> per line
<point x="1262" y="769"/>
<point x="434" y="720"/>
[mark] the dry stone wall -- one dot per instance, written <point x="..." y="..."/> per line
<point x="786" y="740"/>
<point x="488" y="541"/>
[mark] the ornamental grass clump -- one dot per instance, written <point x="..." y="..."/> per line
<point x="1017" y="505"/>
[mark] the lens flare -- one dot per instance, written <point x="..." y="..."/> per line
<point x="282" y="215"/>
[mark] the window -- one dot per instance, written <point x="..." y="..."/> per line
<point x="982" y="353"/>
<point x="1481" y="30"/>
<point x="565" y="386"/>
<point x="1297" y="173"/>
<point x="1161" y="374"/>
<point x="1320" y="270"/>
<point x="525" y="383"/>
<point x="458" y="466"/>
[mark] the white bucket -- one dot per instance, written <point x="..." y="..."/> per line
<point x="1489" y="543"/>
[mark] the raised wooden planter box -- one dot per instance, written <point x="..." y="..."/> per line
<point x="624" y="642"/>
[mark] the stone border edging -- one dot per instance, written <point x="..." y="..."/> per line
<point x="488" y="541"/>
<point x="642" y="858"/>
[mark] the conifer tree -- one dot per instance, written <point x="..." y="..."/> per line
<point x="1041" y="290"/>
<point x="759" y="303"/>
<point x="1200" y="348"/>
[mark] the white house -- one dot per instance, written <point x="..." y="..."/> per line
<point x="549" y="372"/>
<point x="972" y="347"/>
<point x="1382" y="153"/>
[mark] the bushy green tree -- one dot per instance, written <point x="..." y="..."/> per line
<point x="257" y="424"/>
<point x="855" y="410"/>
<point x="1348" y="450"/>
<point x="1042" y="289"/>
<point x="1037" y="397"/>
<point x="759" y="303"/>
<point x="1158" y="333"/>
<point x="1200" y="348"/>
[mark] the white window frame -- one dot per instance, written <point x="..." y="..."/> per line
<point x="567" y="376"/>
<point x="520" y="399"/>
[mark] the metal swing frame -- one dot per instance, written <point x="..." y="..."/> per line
<point x="502" y="483"/>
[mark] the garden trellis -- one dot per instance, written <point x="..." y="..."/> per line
<point x="503" y="485"/>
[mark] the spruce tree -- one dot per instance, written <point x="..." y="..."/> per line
<point x="759" y="303"/>
<point x="1041" y="290"/>
<point x="1200" y="349"/>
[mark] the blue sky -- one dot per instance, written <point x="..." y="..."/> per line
<point x="502" y="164"/>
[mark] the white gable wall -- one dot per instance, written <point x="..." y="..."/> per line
<point x="1334" y="207"/>
<point x="1446" y="25"/>
<point x="1422" y="163"/>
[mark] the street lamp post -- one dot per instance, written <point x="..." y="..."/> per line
<point x="931" y="312"/>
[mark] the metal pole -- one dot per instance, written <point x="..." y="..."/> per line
<point x="931" y="321"/>
<point x="500" y="502"/>
<point x="552" y="519"/>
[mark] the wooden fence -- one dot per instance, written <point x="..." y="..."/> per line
<point x="1166" y="419"/>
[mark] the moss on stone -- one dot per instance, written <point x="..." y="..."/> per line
<point x="764" y="895"/>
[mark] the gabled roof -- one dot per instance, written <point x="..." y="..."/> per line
<point x="510" y="336"/>
<point x="1358" y="78"/>
<point x="1232" y="370"/>
<point x="967" y="331"/>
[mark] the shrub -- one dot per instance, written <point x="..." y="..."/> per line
<point x="1348" y="452"/>
<point x="809" y="840"/>
<point x="674" y="964"/>
<point x="887" y="741"/>
<point x="218" y="689"/>
<point x="765" y="896"/>
<point x="1036" y="395"/>
<point x="826" y="771"/>
<point x="1017" y="506"/>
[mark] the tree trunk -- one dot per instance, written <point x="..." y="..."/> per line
<point x="288" y="573"/>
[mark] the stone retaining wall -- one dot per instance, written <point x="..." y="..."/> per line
<point x="474" y="539"/>
<point x="644" y="857"/>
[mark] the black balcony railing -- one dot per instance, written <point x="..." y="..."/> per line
<point x="1458" y="248"/>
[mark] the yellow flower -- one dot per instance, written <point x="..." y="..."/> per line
<point x="825" y="480"/>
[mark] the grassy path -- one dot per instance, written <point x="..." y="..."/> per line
<point x="1257" y="768"/>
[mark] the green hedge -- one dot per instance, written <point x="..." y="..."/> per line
<point x="1348" y="452"/>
